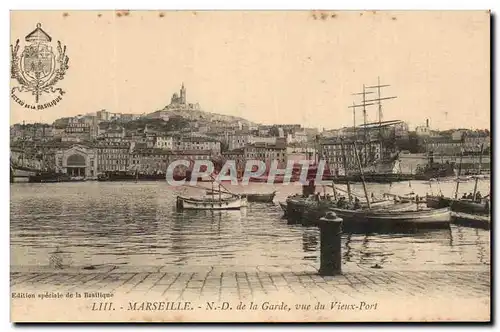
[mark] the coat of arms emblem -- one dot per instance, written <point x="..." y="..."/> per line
<point x="38" y="69"/>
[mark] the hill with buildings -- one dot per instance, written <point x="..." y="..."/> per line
<point x="180" y="108"/>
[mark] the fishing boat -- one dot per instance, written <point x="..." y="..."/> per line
<point x="459" y="205"/>
<point x="426" y="218"/>
<point x="311" y="207"/>
<point x="437" y="202"/>
<point x="391" y="217"/>
<point x="474" y="205"/>
<point x="211" y="203"/>
<point x="213" y="200"/>
<point x="470" y="206"/>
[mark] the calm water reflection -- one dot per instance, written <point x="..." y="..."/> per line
<point x="136" y="224"/>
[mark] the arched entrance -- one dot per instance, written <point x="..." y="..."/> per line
<point x="75" y="165"/>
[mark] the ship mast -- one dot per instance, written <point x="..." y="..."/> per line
<point x="379" y="103"/>
<point x="369" y="102"/>
<point x="362" y="176"/>
<point x="354" y="115"/>
<point x="345" y="170"/>
<point x="478" y="172"/>
<point x="363" y="104"/>
<point x="459" y="171"/>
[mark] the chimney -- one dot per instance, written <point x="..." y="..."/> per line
<point x="427" y="123"/>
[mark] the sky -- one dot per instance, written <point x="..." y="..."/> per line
<point x="271" y="66"/>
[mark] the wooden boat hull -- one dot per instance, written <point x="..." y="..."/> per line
<point x="458" y="205"/>
<point x="437" y="202"/>
<point x="256" y="198"/>
<point x="471" y="220"/>
<point x="261" y="198"/>
<point x="468" y="206"/>
<point x="186" y="203"/>
<point x="311" y="210"/>
<point x="433" y="218"/>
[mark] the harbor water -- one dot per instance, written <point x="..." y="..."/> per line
<point x="136" y="224"/>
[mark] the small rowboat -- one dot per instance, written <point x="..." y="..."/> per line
<point x="431" y="218"/>
<point x="211" y="203"/>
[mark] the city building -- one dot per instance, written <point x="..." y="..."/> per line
<point x="78" y="160"/>
<point x="267" y="152"/>
<point x="297" y="137"/>
<point x="197" y="143"/>
<point x="458" y="134"/>
<point x="190" y="155"/>
<point x="443" y="146"/>
<point x="474" y="139"/>
<point x="113" y="134"/>
<point x="453" y="142"/>
<point x="164" y="142"/>
<point x="236" y="155"/>
<point x="298" y="153"/>
<point x="149" y="161"/>
<point x="112" y="156"/>
<point x="369" y="153"/>
<point x="103" y="115"/>
<point x="76" y="130"/>
<point x="239" y="140"/>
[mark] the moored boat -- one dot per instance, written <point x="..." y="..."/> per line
<point x="49" y="177"/>
<point x="470" y="206"/>
<point x="471" y="220"/>
<point x="211" y="203"/>
<point x="459" y="205"/>
<point x="261" y="198"/>
<point x="437" y="202"/>
<point x="429" y="218"/>
<point x="251" y="197"/>
<point x="312" y="207"/>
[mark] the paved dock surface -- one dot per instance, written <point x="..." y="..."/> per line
<point x="216" y="282"/>
<point x="270" y="294"/>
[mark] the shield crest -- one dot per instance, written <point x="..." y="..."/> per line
<point x="38" y="61"/>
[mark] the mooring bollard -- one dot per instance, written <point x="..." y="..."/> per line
<point x="330" y="235"/>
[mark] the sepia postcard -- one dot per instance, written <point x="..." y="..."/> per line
<point x="250" y="166"/>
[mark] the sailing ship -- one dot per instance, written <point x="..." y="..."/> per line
<point x="388" y="216"/>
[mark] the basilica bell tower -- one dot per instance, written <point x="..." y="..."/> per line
<point x="183" y="95"/>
